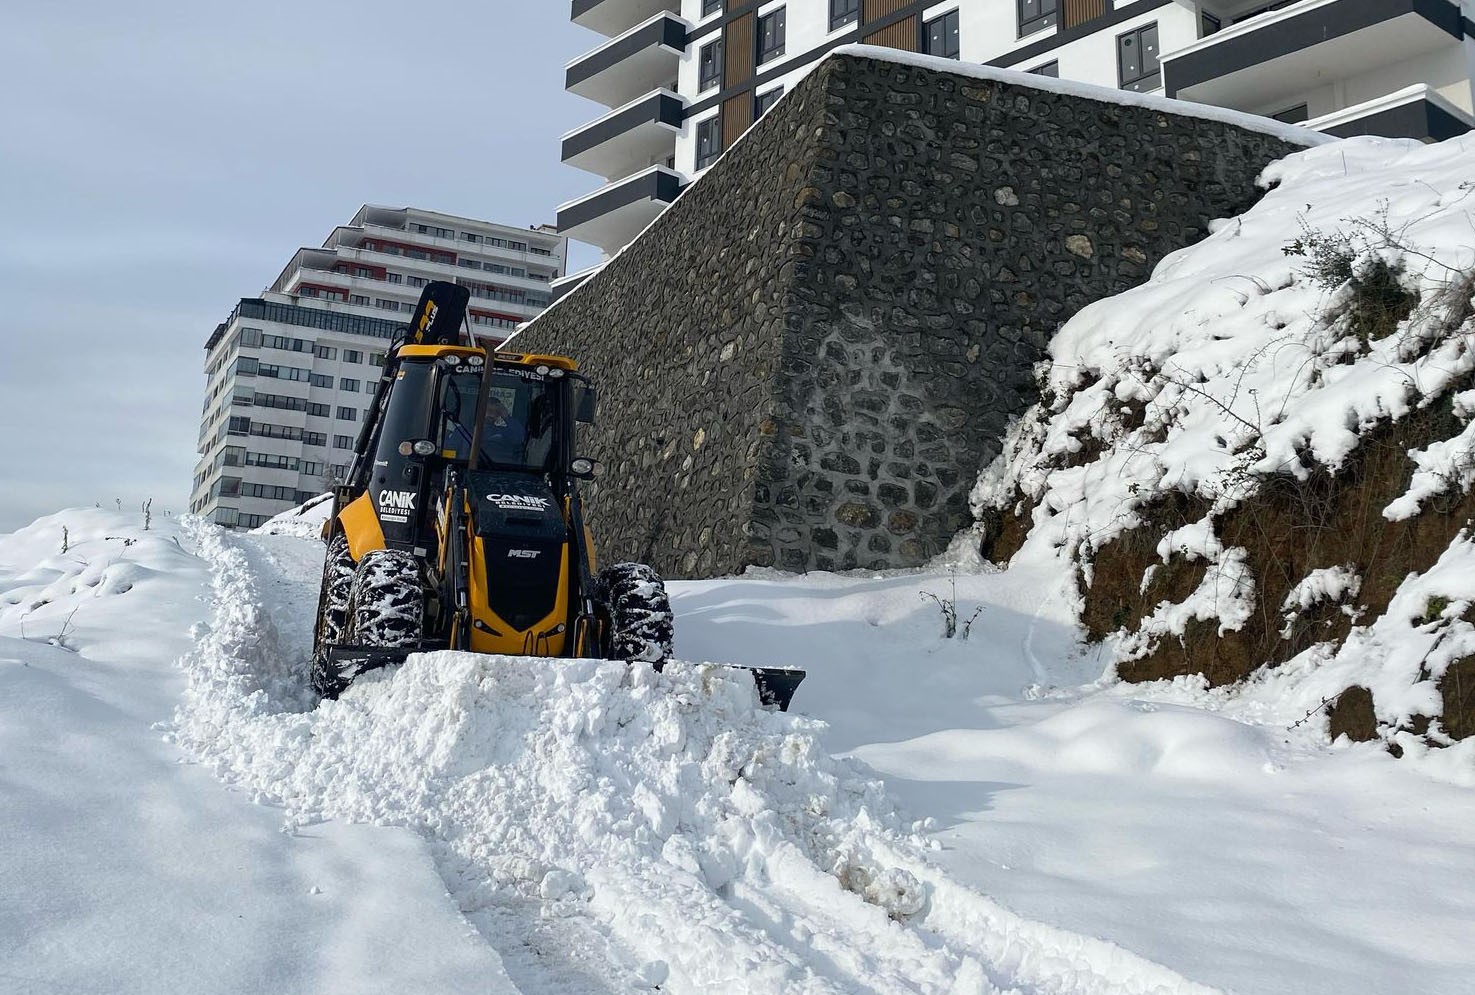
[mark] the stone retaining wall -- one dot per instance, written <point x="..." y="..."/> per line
<point x="807" y="359"/>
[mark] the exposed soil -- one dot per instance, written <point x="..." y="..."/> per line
<point x="1457" y="687"/>
<point x="1351" y="715"/>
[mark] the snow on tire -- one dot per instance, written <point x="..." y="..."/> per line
<point x="386" y="606"/>
<point x="337" y="586"/>
<point x="639" y="611"/>
<point x="338" y="570"/>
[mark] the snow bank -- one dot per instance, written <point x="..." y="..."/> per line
<point x="713" y="843"/>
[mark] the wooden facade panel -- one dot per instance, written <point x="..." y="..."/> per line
<point x="872" y="10"/>
<point x="737" y="117"/>
<point x="1080" y="11"/>
<point x="903" y="35"/>
<point x="738" y="51"/>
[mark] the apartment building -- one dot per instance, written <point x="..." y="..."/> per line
<point x="291" y="373"/>
<point x="682" y="79"/>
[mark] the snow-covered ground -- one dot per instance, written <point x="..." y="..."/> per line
<point x="936" y="816"/>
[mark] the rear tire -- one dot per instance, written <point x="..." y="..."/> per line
<point x="338" y="571"/>
<point x="637" y="613"/>
<point x="386" y="605"/>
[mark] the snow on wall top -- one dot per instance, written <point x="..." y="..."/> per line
<point x="1088" y="91"/>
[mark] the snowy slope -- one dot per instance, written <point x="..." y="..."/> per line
<point x="1251" y="369"/>
<point x="480" y="824"/>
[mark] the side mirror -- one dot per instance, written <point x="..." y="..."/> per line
<point x="585" y="404"/>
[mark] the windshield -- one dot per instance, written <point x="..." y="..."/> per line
<point x="518" y="430"/>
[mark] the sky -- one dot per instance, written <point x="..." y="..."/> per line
<point x="158" y="162"/>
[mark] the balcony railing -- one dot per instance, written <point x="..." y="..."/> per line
<point x="629" y="138"/>
<point x="612" y="18"/>
<point x="643" y="59"/>
<point x="617" y="212"/>
<point x="1286" y="53"/>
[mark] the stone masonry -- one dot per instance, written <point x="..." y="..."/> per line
<point x="806" y="361"/>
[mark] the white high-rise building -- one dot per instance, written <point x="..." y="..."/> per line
<point x="682" y="79"/>
<point x="292" y="372"/>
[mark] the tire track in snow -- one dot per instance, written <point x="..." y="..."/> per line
<point x="629" y="828"/>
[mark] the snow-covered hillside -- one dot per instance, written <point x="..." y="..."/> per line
<point x="1245" y="459"/>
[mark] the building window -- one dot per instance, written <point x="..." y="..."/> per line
<point x="1208" y="24"/>
<point x="352" y="356"/>
<point x="1293" y="115"/>
<point x="342" y="442"/>
<point x="709" y="141"/>
<point x="940" y="35"/>
<point x="843" y="12"/>
<point x="1037" y="15"/>
<point x="765" y="101"/>
<point x="322" y="380"/>
<point x="359" y="299"/>
<point x="1136" y="56"/>
<point x="348" y="414"/>
<point x="771" y="35"/>
<point x="711" y="7"/>
<point x="349" y="385"/>
<point x="711" y="66"/>
<point x="1051" y="69"/>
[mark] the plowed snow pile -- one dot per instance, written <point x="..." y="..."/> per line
<point x="713" y="844"/>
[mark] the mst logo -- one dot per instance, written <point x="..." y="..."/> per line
<point x="524" y="554"/>
<point x="401" y="502"/>
<point x="426" y="320"/>
<point x="520" y="501"/>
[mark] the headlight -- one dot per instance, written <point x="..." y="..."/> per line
<point x="543" y="371"/>
<point x="475" y="361"/>
<point x="555" y="373"/>
<point x="424" y="448"/>
<point x="453" y="360"/>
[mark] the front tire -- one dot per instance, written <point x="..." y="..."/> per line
<point x="338" y="571"/>
<point x="637" y="610"/>
<point x="386" y="605"/>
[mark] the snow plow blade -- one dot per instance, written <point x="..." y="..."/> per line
<point x="776" y="685"/>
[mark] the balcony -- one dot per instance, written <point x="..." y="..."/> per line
<point x="1284" y="53"/>
<point x="612" y="18"/>
<point x="643" y="59"/>
<point x="1417" y="111"/>
<point x="630" y="138"/>
<point x="613" y="215"/>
